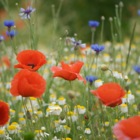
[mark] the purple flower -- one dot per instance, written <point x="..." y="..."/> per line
<point x="136" y="69"/>
<point x="1" y="38"/>
<point x="9" y="23"/>
<point x="93" y="23"/>
<point x="26" y="13"/>
<point x="97" y="48"/>
<point x="75" y="44"/>
<point x="11" y="33"/>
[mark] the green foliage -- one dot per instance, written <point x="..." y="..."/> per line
<point x="28" y="136"/>
<point x="75" y="15"/>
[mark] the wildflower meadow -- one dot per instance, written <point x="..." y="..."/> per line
<point x="67" y="88"/>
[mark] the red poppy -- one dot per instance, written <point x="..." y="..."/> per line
<point x="4" y="113"/>
<point x="128" y="129"/>
<point x="27" y="84"/>
<point x="6" y="61"/>
<point x="30" y="59"/>
<point x="68" y="72"/>
<point x="110" y="94"/>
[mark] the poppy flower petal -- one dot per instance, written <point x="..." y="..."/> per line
<point x="18" y="66"/>
<point x="65" y="74"/>
<point x="106" y="97"/>
<point x="28" y="90"/>
<point x="26" y="67"/>
<point x="14" y="85"/>
<point x="27" y="84"/>
<point x="68" y="72"/>
<point x="76" y="67"/>
<point x="110" y="94"/>
<point x="93" y="92"/>
<point x="128" y="128"/>
<point x="4" y="113"/>
<point x="81" y="78"/>
<point x="65" y="66"/>
<point x="55" y="69"/>
<point x="30" y="59"/>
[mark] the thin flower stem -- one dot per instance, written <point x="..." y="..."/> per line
<point x="49" y="85"/>
<point x="102" y="30"/>
<point x="32" y="107"/>
<point x="31" y="35"/>
<point x="118" y="24"/>
<point x="43" y="111"/>
<point x="92" y="35"/>
<point x="96" y="63"/>
<point x="130" y="45"/>
<point x="112" y="30"/>
<point x="102" y="111"/>
<point x="112" y="74"/>
<point x="112" y="50"/>
<point x="55" y="19"/>
<point x="26" y="110"/>
<point x="14" y="46"/>
<point x="120" y="11"/>
<point x="59" y="8"/>
<point x="90" y="64"/>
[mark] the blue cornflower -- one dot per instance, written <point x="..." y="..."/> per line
<point x="138" y="12"/>
<point x="1" y="38"/>
<point x="97" y="48"/>
<point x="91" y="78"/>
<point x="93" y="23"/>
<point x="9" y="23"/>
<point x="11" y="33"/>
<point x="137" y="69"/>
<point x="26" y="13"/>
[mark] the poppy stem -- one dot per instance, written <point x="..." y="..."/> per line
<point x="32" y="107"/>
<point x="41" y="107"/>
<point x="71" y="101"/>
<point x="27" y="115"/>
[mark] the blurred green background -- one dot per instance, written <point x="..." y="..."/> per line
<point x="75" y="14"/>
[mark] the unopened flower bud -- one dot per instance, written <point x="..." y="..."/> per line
<point x="121" y="4"/>
<point x="116" y="6"/>
<point x="75" y="34"/>
<point x="104" y="67"/>
<point x="125" y="77"/>
<point x="110" y="19"/>
<point x="43" y="128"/>
<point x="102" y="18"/>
